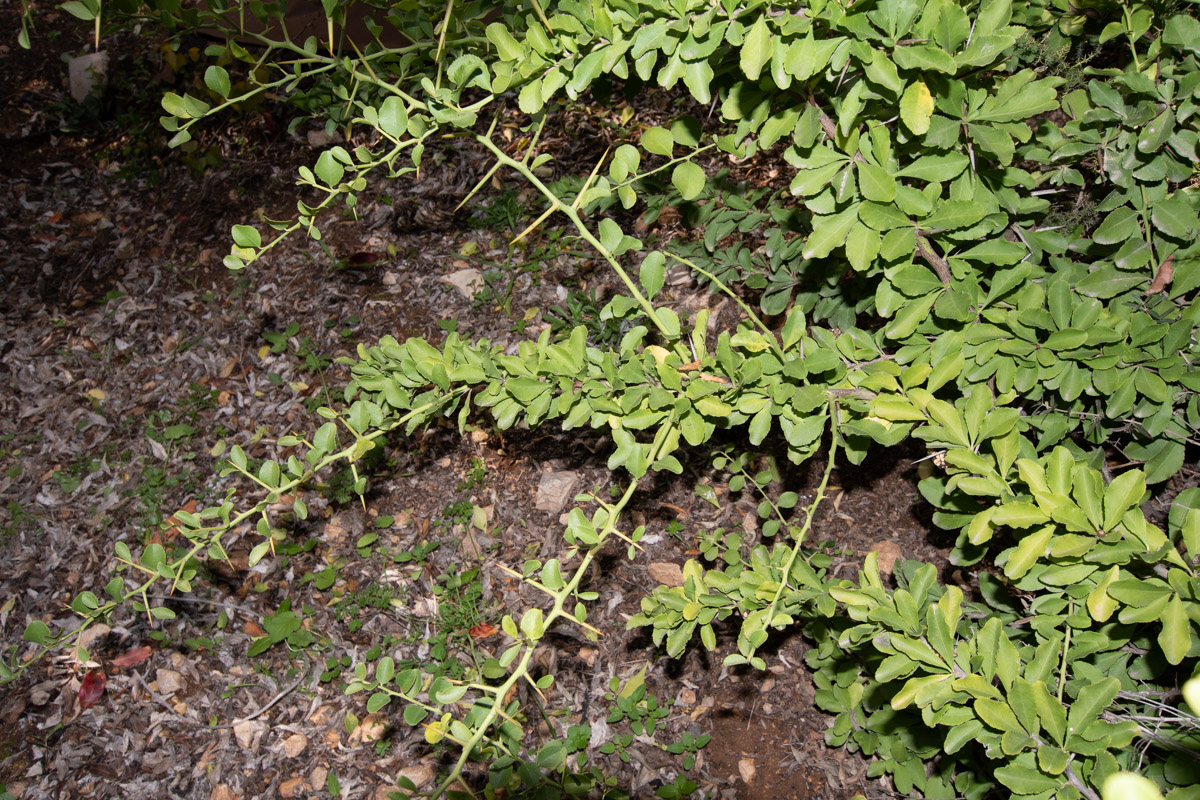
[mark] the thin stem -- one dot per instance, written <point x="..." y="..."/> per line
<point x="584" y="231"/>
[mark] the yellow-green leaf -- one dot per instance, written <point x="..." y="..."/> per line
<point x="916" y="107"/>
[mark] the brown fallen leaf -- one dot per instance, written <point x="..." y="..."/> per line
<point x="482" y="631"/>
<point x="666" y="573"/>
<point x="92" y="688"/>
<point x="132" y="657"/>
<point x="1162" y="277"/>
<point x="888" y="554"/>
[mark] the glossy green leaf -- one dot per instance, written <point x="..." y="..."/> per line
<point x="875" y="183"/>
<point x="1175" y="639"/>
<point x="659" y="141"/>
<point x="1118" y="226"/>
<point x="689" y="179"/>
<point x="756" y="49"/>
<point x="653" y="273"/>
<point x="829" y="231"/>
<point x="217" y="79"/>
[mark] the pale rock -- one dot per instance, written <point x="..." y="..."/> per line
<point x="93" y="634"/>
<point x="169" y="681"/>
<point x="464" y="281"/>
<point x="319" y="138"/>
<point x="687" y="696"/>
<point x="889" y="554"/>
<point x="371" y="729"/>
<point x="666" y="572"/>
<point x="554" y="490"/>
<point x="746" y="770"/>
<point x="390" y="279"/>
<point x="249" y="733"/>
<point x="88" y="74"/>
<point x="294" y="745"/>
<point x="318" y="776"/>
<point x="222" y="792"/>
<point x="419" y="774"/>
<point x="292" y="787"/>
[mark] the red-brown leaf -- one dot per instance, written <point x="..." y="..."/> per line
<point x="483" y="630"/>
<point x="92" y="688"/>
<point x="1162" y="278"/>
<point x="362" y="259"/>
<point x="132" y="657"/>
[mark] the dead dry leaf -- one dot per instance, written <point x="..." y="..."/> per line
<point x="1162" y="277"/>
<point x="889" y="554"/>
<point x="666" y="572"/>
<point x="132" y="657"/>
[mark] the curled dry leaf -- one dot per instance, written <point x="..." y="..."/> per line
<point x="666" y="573"/>
<point x="92" y="688"/>
<point x="1162" y="278"/>
<point x="132" y="657"/>
<point x="482" y="631"/>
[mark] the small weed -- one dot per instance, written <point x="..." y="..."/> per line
<point x="282" y="626"/>
<point x="153" y="489"/>
<point x="350" y="607"/>
<point x="502" y="213"/>
<point x="18" y="518"/>
<point x="583" y="308"/>
<point x="458" y="513"/>
<point x="475" y="476"/>
<point x="634" y="703"/>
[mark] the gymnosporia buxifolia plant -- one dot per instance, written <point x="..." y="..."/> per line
<point x="987" y="242"/>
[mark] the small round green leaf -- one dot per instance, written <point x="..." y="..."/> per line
<point x="217" y="79"/>
<point x="689" y="179"/>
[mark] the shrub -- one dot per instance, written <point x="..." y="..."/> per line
<point x="987" y="243"/>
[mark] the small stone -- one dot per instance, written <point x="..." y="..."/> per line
<point x="419" y="774"/>
<point x="666" y="572"/>
<point x="318" y="776"/>
<point x="687" y="696"/>
<point x="889" y="554"/>
<point x="465" y="281"/>
<point x="249" y="733"/>
<point x="169" y="681"/>
<point x="554" y="490"/>
<point x="294" y="745"/>
<point x="97" y="632"/>
<point x="319" y="138"/>
<point x="371" y="729"/>
<point x="292" y="787"/>
<point x="88" y="74"/>
<point x="746" y="770"/>
<point x="390" y="279"/>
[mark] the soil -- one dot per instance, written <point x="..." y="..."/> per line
<point x="133" y="360"/>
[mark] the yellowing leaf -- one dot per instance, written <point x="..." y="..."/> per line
<point x="1099" y="604"/>
<point x="1176" y="637"/>
<point x="916" y="107"/>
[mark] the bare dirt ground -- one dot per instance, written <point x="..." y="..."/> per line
<point x="132" y="360"/>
